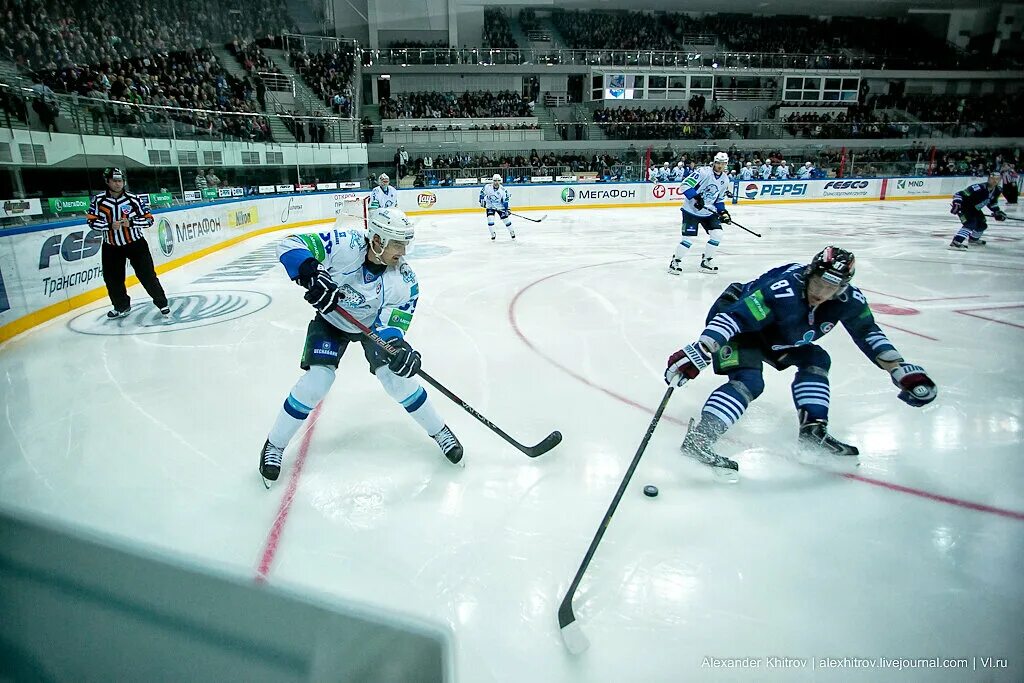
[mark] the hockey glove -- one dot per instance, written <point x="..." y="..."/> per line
<point x="999" y="214"/>
<point x="956" y="207"/>
<point x="322" y="291"/>
<point x="724" y="216"/>
<point x="916" y="388"/>
<point x="407" y="361"/>
<point x="685" y="364"/>
<point x="698" y="201"/>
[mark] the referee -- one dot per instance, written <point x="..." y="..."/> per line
<point x="121" y="216"/>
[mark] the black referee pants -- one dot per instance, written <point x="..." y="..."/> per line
<point x="113" y="258"/>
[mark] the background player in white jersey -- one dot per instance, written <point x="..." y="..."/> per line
<point x="766" y="169"/>
<point x="782" y="172"/>
<point x="367" y="275"/>
<point x="384" y="196"/>
<point x="805" y="171"/>
<point x="747" y="172"/>
<point x="703" y="207"/>
<point x="494" y="198"/>
<point x="678" y="173"/>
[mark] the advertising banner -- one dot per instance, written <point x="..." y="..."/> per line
<point x="65" y="205"/>
<point x="11" y="208"/>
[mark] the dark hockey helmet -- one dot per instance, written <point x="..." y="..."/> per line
<point x="833" y="265"/>
<point x="113" y="173"/>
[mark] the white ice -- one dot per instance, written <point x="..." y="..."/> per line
<point x="155" y="438"/>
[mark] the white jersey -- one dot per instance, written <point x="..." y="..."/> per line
<point x="664" y="175"/>
<point x="766" y="171"/>
<point x="746" y="173"/>
<point x="678" y="173"/>
<point x="782" y="172"/>
<point x="495" y="198"/>
<point x="380" y="300"/>
<point x="381" y="198"/>
<point x="709" y="185"/>
<point x="804" y="173"/>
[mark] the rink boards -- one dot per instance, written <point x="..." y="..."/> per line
<point x="49" y="269"/>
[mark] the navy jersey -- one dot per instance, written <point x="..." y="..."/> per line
<point x="978" y="196"/>
<point x="775" y="306"/>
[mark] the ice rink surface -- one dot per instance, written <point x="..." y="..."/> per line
<point x="150" y="431"/>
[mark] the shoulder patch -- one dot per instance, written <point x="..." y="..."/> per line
<point x="758" y="308"/>
<point x="407" y="273"/>
<point x="315" y="246"/>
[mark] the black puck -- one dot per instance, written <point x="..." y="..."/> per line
<point x="650" y="491"/>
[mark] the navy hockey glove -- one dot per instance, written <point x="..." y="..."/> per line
<point x="956" y="207"/>
<point x="999" y="214"/>
<point x="407" y="361"/>
<point x="698" y="201"/>
<point x="685" y="364"/>
<point x="322" y="291"/>
<point x="916" y="388"/>
<point x="724" y="216"/>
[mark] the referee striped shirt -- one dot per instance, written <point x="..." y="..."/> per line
<point x="106" y="209"/>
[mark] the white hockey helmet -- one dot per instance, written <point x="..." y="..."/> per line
<point x="749" y="164"/>
<point x="722" y="157"/>
<point x="496" y="178"/>
<point x="391" y="224"/>
<point x="679" y="165"/>
<point x="383" y="178"/>
<point x="808" y="164"/>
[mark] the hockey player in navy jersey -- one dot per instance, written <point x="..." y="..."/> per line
<point x="967" y="205"/>
<point x="776" y="319"/>
<point x="704" y="192"/>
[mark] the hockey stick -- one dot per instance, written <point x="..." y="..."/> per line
<point x="1013" y="218"/>
<point x="573" y="636"/>
<point x="755" y="234"/>
<point x="545" y="445"/>
<point x="532" y="220"/>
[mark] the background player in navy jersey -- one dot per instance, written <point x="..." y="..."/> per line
<point x="776" y="319"/>
<point x="967" y="205"/>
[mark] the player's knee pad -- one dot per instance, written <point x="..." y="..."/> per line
<point x="314" y="385"/>
<point x="491" y="212"/>
<point x="503" y="215"/>
<point x="815" y="361"/>
<point x="402" y="389"/>
<point x="715" y="236"/>
<point x="749" y="383"/>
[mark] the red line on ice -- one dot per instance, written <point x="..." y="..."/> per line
<point x="974" y="314"/>
<point x="274" y="536"/>
<point x="920" y="493"/>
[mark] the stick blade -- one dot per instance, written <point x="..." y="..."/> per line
<point x="549" y="442"/>
<point x="575" y="639"/>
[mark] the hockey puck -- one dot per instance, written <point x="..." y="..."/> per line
<point x="650" y="491"/>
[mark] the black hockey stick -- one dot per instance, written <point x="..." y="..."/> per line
<point x="732" y="222"/>
<point x="545" y="445"/>
<point x="1013" y="218"/>
<point x="525" y="218"/>
<point x="573" y="636"/>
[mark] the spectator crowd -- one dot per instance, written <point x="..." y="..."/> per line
<point x="449" y="105"/>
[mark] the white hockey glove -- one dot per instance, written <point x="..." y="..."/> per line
<point x="686" y="363"/>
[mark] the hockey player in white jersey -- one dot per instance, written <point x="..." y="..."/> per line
<point x="366" y="275"/>
<point x="384" y="196"/>
<point x="678" y="173"/>
<point x="782" y="172"/>
<point x="747" y="172"/>
<point x="805" y="171"/>
<point x="494" y="199"/>
<point x="704" y="192"/>
<point x="766" y="170"/>
<point x="664" y="173"/>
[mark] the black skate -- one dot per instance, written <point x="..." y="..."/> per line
<point x="675" y="267"/>
<point x="957" y="246"/>
<point x="115" y="313"/>
<point x="270" y="463"/>
<point x="977" y="242"/>
<point x="166" y="310"/>
<point x="700" y="447"/>
<point x="450" y="445"/>
<point x="707" y="267"/>
<point x="814" y="436"/>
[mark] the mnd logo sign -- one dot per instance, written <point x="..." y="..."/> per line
<point x="188" y="311"/>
